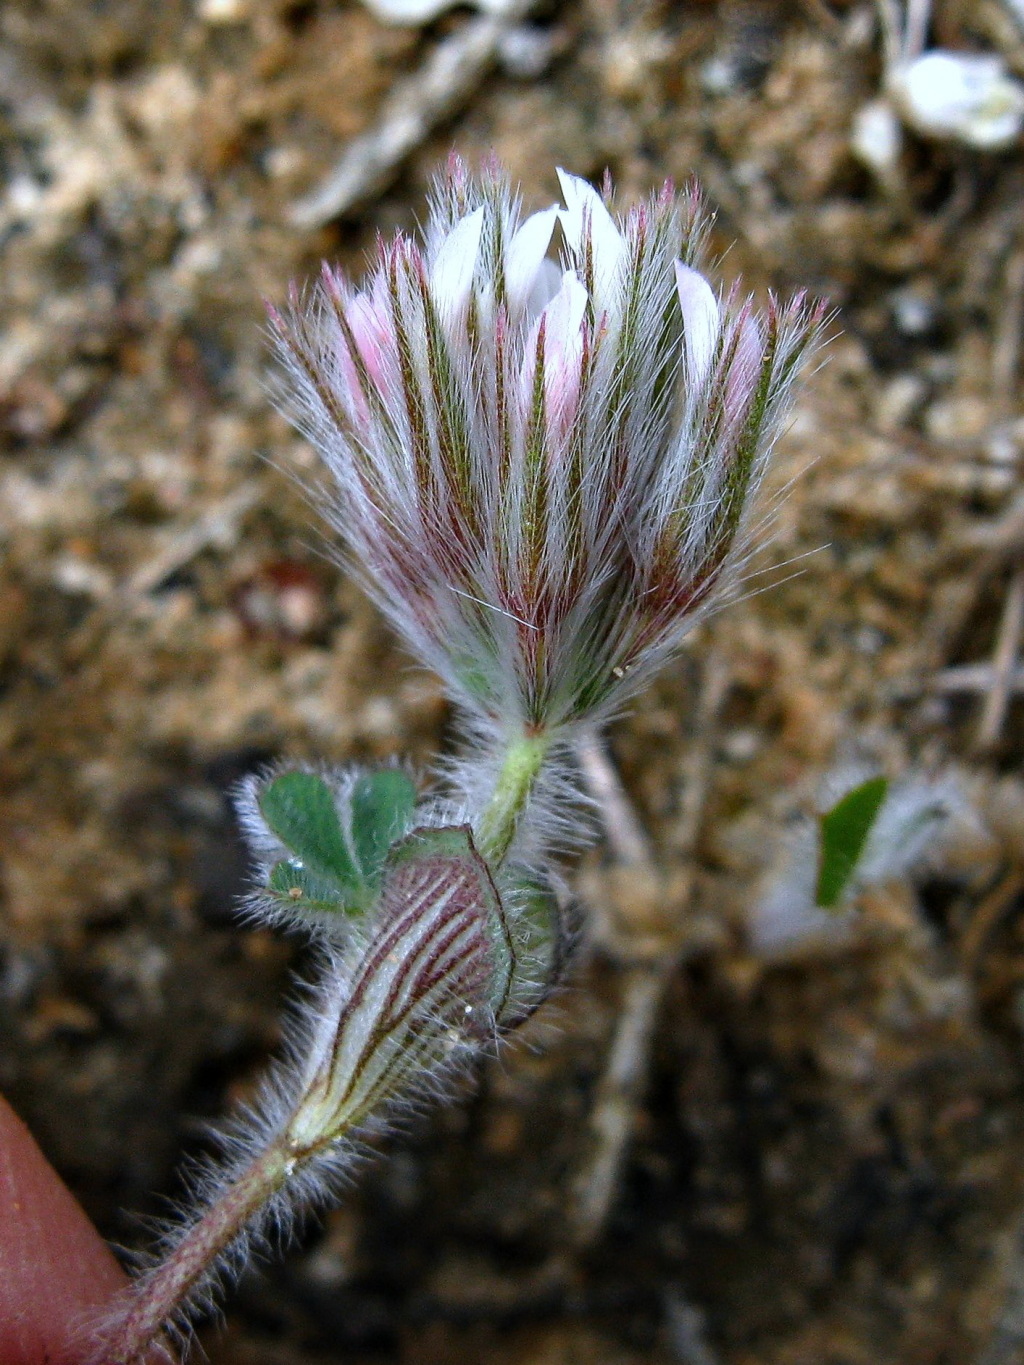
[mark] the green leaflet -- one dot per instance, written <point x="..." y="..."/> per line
<point x="452" y="842"/>
<point x="538" y="943"/>
<point x="299" y="808"/>
<point x="844" y="834"/>
<point x="382" y="808"/>
<point x="335" y="865"/>
<point x="295" y="885"/>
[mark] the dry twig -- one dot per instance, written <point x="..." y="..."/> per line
<point x="988" y="915"/>
<point x="1007" y="335"/>
<point x="413" y="109"/>
<point x="627" y="838"/>
<point x="645" y="976"/>
<point x="967" y="678"/>
<point x="216" y="527"/>
<point x="997" y="543"/>
<point x="1004" y="666"/>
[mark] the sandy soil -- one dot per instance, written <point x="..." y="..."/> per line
<point x="826" y="1159"/>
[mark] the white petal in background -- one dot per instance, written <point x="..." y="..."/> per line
<point x="563" y="346"/>
<point x="966" y="96"/>
<point x="563" y="317"/>
<point x="412" y="12"/>
<point x="877" y="137"/>
<point x="563" y="352"/>
<point x="545" y="286"/>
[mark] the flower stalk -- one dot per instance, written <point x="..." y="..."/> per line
<point x="499" y="821"/>
<point x="156" y="1299"/>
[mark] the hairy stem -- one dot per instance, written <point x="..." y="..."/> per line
<point x="314" y="1122"/>
<point x="156" y="1298"/>
<point x="520" y="769"/>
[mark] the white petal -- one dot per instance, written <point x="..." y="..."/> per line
<point x="875" y="138"/>
<point x="701" y="322"/>
<point x="525" y="257"/>
<point x="968" y="96"/>
<point x="406" y="11"/>
<point x="564" y="314"/>
<point x="545" y="287"/>
<point x="451" y="273"/>
<point x="563" y="341"/>
<point x="585" y="208"/>
<point x="563" y="351"/>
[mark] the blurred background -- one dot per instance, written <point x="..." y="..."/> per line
<point x="819" y="1156"/>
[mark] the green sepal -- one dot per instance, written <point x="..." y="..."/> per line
<point x="300" y="809"/>
<point x="539" y="943"/>
<point x="382" y="808"/>
<point x="428" y="841"/>
<point x="295" y="886"/>
<point x="844" y="833"/>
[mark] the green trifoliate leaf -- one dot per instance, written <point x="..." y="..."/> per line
<point x="382" y="808"/>
<point x="298" y="888"/>
<point x="300" y="809"/>
<point x="844" y="834"/>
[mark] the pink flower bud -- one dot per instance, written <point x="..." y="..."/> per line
<point x="366" y="350"/>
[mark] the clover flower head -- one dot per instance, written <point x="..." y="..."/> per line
<point x="545" y="434"/>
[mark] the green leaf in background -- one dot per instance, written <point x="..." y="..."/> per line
<point x="844" y="832"/>
<point x="382" y="807"/>
<point x="297" y="887"/>
<point x="299" y="808"/>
